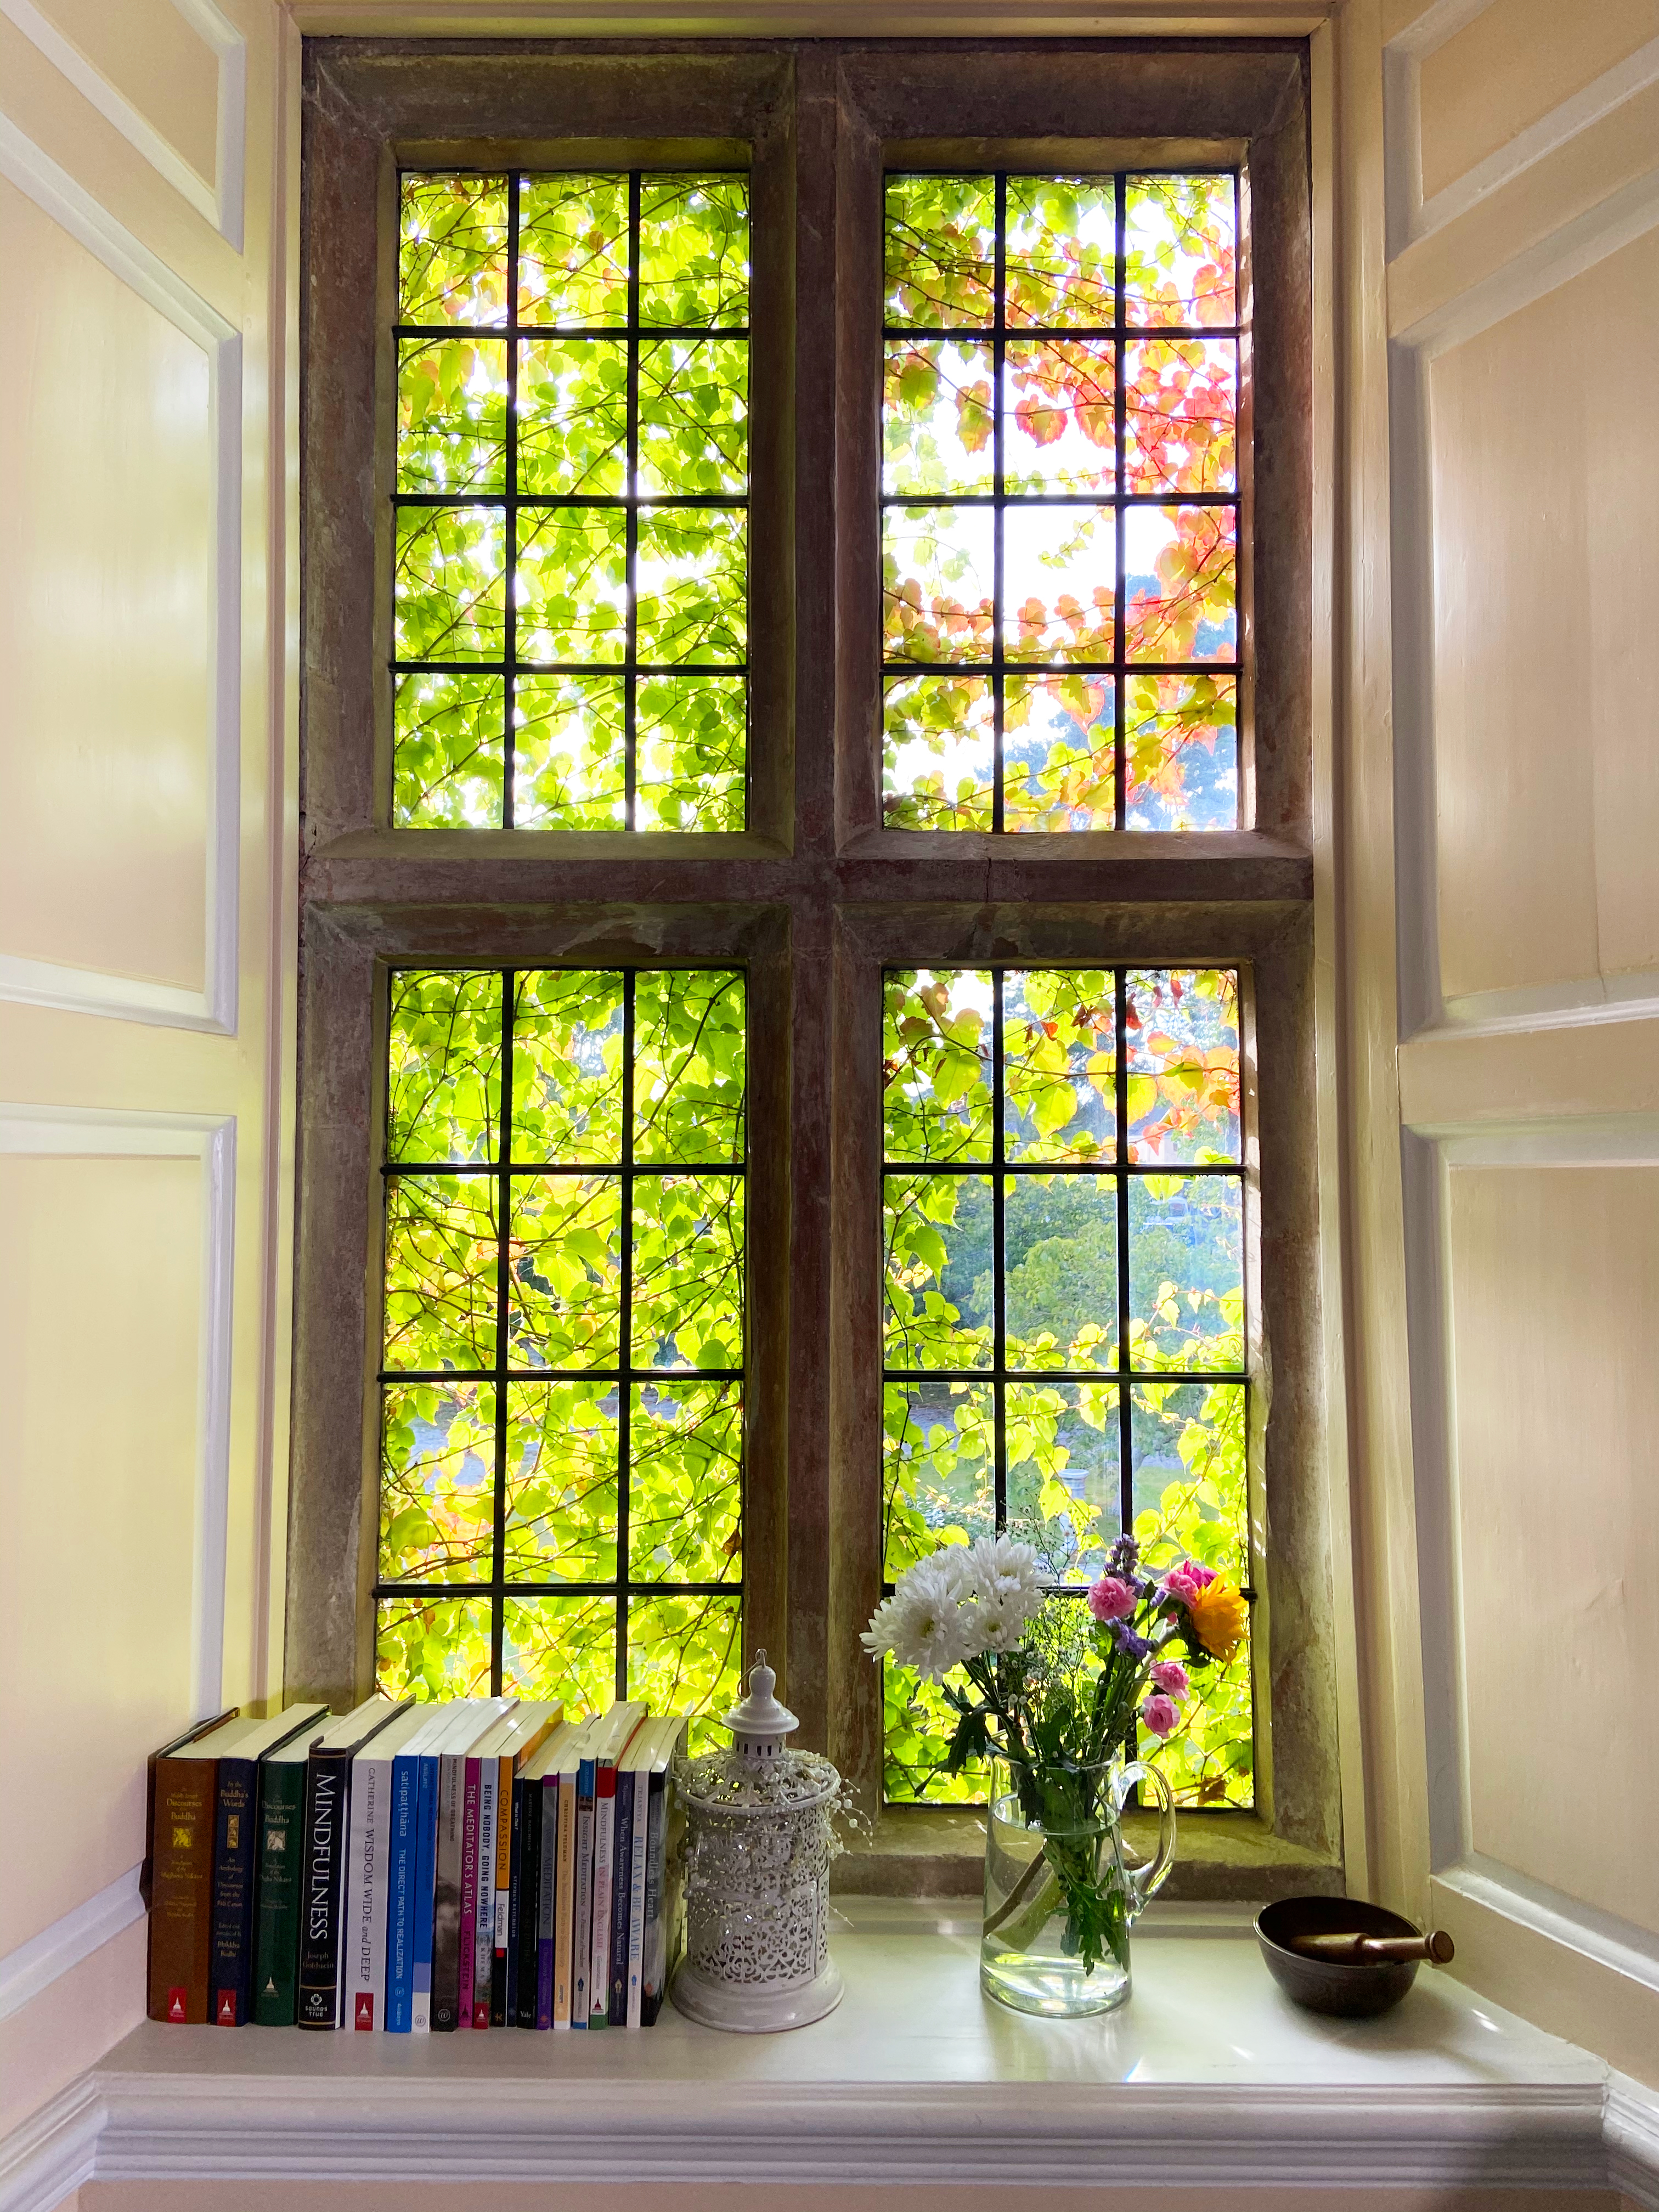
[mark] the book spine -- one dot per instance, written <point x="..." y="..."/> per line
<point x="181" y="1908"/>
<point x="605" y="1844"/>
<point x="483" y="1894"/>
<point x="276" y="1907"/>
<point x="400" y="1894"/>
<point x="622" y="1883"/>
<point x="636" y="1900"/>
<point x="447" y="1896"/>
<point x="581" y="1920"/>
<point x="514" y="1905"/>
<point x="546" y="1918"/>
<point x="656" y="1949"/>
<point x="500" y="2011"/>
<point x="327" y="1815"/>
<point x="367" y="1890"/>
<point x="233" y="1891"/>
<point x="565" y="1901"/>
<point x="426" y="1868"/>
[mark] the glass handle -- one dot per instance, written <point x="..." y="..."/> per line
<point x="1146" y="1880"/>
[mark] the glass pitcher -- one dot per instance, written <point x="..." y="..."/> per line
<point x="1062" y="1887"/>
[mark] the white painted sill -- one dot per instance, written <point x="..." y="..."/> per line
<point x="1207" y="2075"/>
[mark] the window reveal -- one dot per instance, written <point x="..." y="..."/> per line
<point x="1060" y="502"/>
<point x="1064" y="1329"/>
<point x="571" y="511"/>
<point x="562" y="1384"/>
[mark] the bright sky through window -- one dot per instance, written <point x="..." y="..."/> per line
<point x="570" y="623"/>
<point x="561" y="1384"/>
<point x="1060" y="503"/>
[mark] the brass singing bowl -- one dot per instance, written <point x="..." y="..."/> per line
<point x="1350" y="1989"/>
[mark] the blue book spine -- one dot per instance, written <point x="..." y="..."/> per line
<point x="400" y="1896"/>
<point x="425" y="1875"/>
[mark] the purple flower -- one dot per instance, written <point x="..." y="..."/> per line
<point x="1110" y="1599"/>
<point x="1131" y="1645"/>
<point x="1159" y="1714"/>
<point x="1123" y="1557"/>
<point x="1170" y="1674"/>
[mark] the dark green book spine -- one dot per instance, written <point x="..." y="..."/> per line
<point x="277" y="1911"/>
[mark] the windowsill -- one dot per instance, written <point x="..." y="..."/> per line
<point x="919" y="1852"/>
<point x="1207" y="2073"/>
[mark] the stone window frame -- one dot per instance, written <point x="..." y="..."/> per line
<point x="814" y="898"/>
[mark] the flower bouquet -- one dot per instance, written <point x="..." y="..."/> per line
<point x="1056" y="1689"/>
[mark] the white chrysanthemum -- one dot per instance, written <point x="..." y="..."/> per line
<point x="995" y="1624"/>
<point x="1005" y="1575"/>
<point x="924" y="1624"/>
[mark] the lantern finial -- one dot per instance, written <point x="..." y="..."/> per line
<point x="760" y="1723"/>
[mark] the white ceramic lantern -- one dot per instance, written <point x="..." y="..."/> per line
<point x="758" y="1846"/>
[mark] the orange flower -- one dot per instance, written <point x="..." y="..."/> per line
<point x="1220" y="1616"/>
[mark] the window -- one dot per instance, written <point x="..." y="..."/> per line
<point x="807" y="645"/>
<point x="1060" y="502"/>
<point x="1063" y="1202"/>
<point x="560" y="1492"/>
<point x="570" y="501"/>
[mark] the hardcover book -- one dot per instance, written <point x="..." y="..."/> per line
<point x="327" y="1817"/>
<point x="182" y="1873"/>
<point x="277" y="1902"/>
<point x="235" y="1860"/>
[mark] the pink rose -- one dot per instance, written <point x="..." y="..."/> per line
<point x="1159" y="1714"/>
<point x="1185" y="1581"/>
<point x="1110" y="1599"/>
<point x="1170" y="1674"/>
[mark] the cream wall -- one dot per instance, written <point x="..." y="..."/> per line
<point x="146" y="853"/>
<point x="1488" y="204"/>
<point x="1503" y="825"/>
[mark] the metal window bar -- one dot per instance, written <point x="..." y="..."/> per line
<point x="1121" y="333"/>
<point x="998" y="1168"/>
<point x="510" y="501"/>
<point x="622" y="1586"/>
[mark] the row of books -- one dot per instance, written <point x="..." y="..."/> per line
<point x="408" y="1867"/>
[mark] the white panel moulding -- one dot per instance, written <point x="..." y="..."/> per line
<point x="1428" y="1156"/>
<point x="80" y="990"/>
<point x="1409" y="216"/>
<point x="92" y="1132"/>
<point x="221" y="201"/>
<point x="33" y="1966"/>
<point x="1532" y="274"/>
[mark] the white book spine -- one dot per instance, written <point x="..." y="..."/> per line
<point x="605" y="1844"/>
<point x="637" y="1897"/>
<point x="362" y="1930"/>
